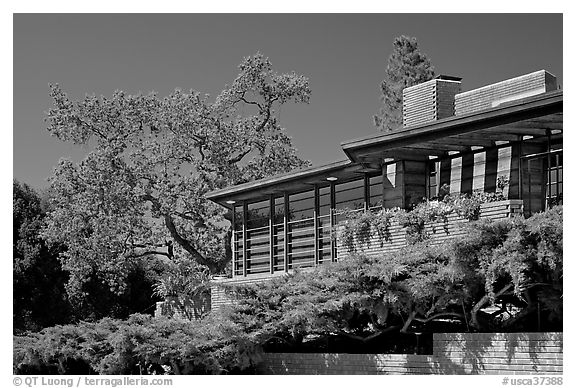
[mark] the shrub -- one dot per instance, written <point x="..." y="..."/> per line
<point x="139" y="345"/>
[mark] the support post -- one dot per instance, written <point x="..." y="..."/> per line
<point x="244" y="239"/>
<point x="366" y="192"/>
<point x="271" y="233"/>
<point x="233" y="244"/>
<point x="316" y="225"/>
<point x="333" y="251"/>
<point x="286" y="246"/>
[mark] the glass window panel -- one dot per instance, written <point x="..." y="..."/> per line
<point x="324" y="200"/>
<point x="301" y="205"/>
<point x="258" y="214"/>
<point x="278" y="210"/>
<point x="376" y="188"/>
<point x="238" y="217"/>
<point x="553" y="161"/>
<point x="350" y="195"/>
<point x="553" y="176"/>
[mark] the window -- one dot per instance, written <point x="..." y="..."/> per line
<point x="350" y="195"/>
<point x="376" y="190"/>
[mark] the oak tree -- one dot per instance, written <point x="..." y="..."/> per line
<point x="140" y="190"/>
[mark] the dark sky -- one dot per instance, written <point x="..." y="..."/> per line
<point x="344" y="56"/>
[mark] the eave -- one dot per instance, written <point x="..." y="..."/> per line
<point x="294" y="181"/>
<point x="532" y="116"/>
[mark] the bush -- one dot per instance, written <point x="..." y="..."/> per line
<point x="139" y="345"/>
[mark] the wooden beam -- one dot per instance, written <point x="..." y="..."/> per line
<point x="332" y="207"/>
<point x="244" y="239"/>
<point x="438" y="146"/>
<point x="468" y="140"/>
<point x="271" y="233"/>
<point x="409" y="154"/>
<point x="286" y="214"/>
<point x="316" y="225"/>
<point x="234" y="255"/>
<point x="517" y="130"/>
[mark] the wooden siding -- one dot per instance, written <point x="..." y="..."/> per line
<point x="437" y="231"/>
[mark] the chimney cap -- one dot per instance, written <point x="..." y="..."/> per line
<point x="448" y="77"/>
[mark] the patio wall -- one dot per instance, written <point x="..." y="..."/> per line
<point x="454" y="354"/>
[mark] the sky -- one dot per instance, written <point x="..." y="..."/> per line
<point x="343" y="55"/>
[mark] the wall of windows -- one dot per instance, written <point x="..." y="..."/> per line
<point x="294" y="230"/>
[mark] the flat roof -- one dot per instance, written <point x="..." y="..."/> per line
<point x="294" y="181"/>
<point x="532" y="116"/>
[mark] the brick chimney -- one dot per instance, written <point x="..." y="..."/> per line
<point x="429" y="101"/>
<point x="493" y="95"/>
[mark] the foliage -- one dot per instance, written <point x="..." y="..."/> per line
<point x="140" y="192"/>
<point x="39" y="298"/>
<point x="185" y="288"/>
<point x="358" y="227"/>
<point x="511" y="265"/>
<point x="139" y="345"/>
<point x="407" y="66"/>
<point x="514" y="266"/>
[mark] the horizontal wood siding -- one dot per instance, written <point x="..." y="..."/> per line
<point x="436" y="231"/>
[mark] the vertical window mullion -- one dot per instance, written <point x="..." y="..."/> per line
<point x="271" y="233"/>
<point x="286" y="246"/>
<point x="366" y="192"/>
<point x="332" y="207"/>
<point x="244" y="239"/>
<point x="234" y="255"/>
<point x="316" y="224"/>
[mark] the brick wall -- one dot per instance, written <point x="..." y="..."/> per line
<point x="456" y="353"/>
<point x="499" y="93"/>
<point x="199" y="307"/>
<point x="428" y="101"/>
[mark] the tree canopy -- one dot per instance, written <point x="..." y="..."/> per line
<point x="140" y="191"/>
<point x="407" y="66"/>
<point x="39" y="298"/>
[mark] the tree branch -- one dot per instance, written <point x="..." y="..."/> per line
<point x="481" y="303"/>
<point x="239" y="157"/>
<point x="186" y="244"/>
<point x="408" y="322"/>
<point x="439" y="315"/>
<point x="136" y="255"/>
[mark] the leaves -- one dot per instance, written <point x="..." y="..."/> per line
<point x="140" y="191"/>
<point x="139" y="345"/>
<point x="407" y="66"/>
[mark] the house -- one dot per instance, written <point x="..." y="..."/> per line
<point x="449" y="138"/>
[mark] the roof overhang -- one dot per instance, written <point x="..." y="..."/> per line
<point x="534" y="116"/>
<point x="292" y="182"/>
